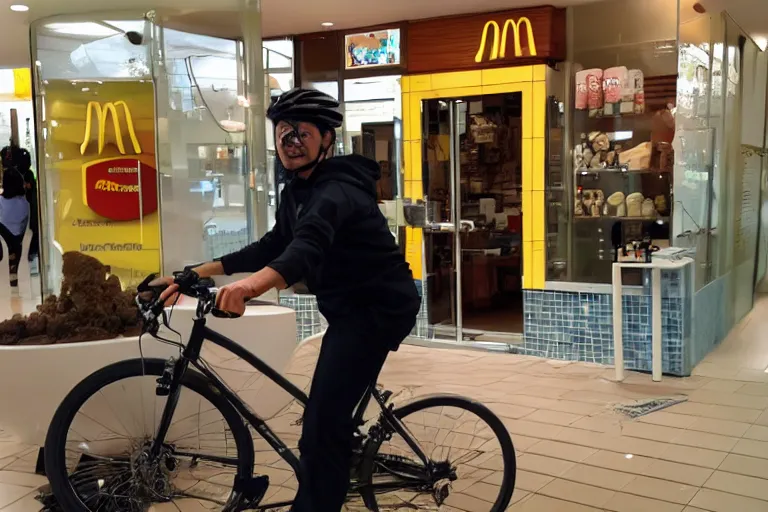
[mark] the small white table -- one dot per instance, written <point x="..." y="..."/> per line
<point x="656" y="266"/>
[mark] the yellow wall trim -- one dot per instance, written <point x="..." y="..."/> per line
<point x="528" y="80"/>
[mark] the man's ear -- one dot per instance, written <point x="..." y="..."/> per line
<point x="328" y="138"/>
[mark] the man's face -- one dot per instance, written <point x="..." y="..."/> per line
<point x="299" y="144"/>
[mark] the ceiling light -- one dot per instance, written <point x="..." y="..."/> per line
<point x="84" y="29"/>
<point x="19" y="8"/>
<point x="761" y="42"/>
<point x="327" y="24"/>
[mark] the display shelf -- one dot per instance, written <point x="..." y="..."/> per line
<point x="664" y="220"/>
<point x="621" y="170"/>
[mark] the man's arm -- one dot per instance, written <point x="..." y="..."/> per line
<point x="313" y="234"/>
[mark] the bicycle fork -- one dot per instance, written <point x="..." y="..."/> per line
<point x="172" y="389"/>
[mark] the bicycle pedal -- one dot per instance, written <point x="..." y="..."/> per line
<point x="252" y="491"/>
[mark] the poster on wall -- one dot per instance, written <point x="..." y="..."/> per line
<point x="102" y="168"/>
<point x="372" y="49"/>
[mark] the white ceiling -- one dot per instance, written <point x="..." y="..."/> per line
<point x="281" y="17"/>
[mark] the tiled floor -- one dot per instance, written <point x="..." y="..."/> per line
<point x="575" y="454"/>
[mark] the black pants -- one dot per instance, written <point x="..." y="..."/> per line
<point x="14" y="247"/>
<point x="351" y="358"/>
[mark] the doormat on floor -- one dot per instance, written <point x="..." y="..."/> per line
<point x="644" y="407"/>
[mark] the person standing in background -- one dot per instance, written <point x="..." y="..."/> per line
<point x="14" y="215"/>
<point x="14" y="157"/>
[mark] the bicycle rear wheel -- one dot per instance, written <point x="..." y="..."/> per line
<point x="470" y="459"/>
<point x="96" y="450"/>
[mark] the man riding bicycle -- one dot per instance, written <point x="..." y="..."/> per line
<point x="331" y="235"/>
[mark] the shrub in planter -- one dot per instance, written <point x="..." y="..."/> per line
<point x="91" y="306"/>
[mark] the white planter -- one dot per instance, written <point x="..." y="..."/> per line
<point x="35" y="379"/>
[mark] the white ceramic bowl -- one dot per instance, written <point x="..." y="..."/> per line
<point x="35" y="379"/>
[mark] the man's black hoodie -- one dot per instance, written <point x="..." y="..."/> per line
<point x="331" y="234"/>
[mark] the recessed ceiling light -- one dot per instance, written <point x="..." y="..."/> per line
<point x="19" y="8"/>
<point x="327" y="23"/>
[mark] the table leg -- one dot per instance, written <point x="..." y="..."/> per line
<point x="656" y="324"/>
<point x="618" y="342"/>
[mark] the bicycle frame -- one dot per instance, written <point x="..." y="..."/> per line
<point x="191" y="355"/>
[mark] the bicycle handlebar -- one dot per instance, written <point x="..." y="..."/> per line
<point x="190" y="284"/>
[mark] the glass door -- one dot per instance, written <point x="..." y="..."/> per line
<point x="472" y="177"/>
<point x="442" y="249"/>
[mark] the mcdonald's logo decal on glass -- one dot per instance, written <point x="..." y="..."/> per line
<point x="109" y="110"/>
<point x="498" y="51"/>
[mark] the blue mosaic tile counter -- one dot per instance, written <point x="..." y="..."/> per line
<point x="578" y="326"/>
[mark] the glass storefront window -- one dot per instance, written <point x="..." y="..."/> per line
<point x="618" y="115"/>
<point x="278" y="65"/>
<point x="96" y="122"/>
<point x="206" y="196"/>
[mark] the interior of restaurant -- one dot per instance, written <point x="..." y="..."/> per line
<point x="487" y="261"/>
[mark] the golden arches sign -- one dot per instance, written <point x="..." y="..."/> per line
<point x="499" y="51"/>
<point x="102" y="113"/>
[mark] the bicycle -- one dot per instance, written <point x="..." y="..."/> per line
<point x="96" y="464"/>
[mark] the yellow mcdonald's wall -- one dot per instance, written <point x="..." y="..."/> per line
<point x="531" y="82"/>
<point x="131" y="248"/>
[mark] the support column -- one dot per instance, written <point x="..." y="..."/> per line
<point x="255" y="133"/>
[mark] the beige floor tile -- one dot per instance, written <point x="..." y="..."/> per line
<point x="592" y="397"/>
<point x="729" y="399"/>
<point x="661" y="490"/>
<point x="599" y="477"/>
<point x="570" y="406"/>
<point x="752" y="448"/>
<point x="605" y="424"/>
<point x="543" y="465"/>
<point x="11" y="493"/>
<point x="483" y="491"/>
<point x="706" y="440"/>
<point x="715" y="371"/>
<point x="738" y="484"/>
<point x="578" y="493"/>
<point x="531" y="482"/>
<point x="523" y="443"/>
<point x="757" y="432"/>
<point x="466" y="503"/>
<point x="621" y="444"/>
<point x="716" y="501"/>
<point x="517" y="496"/>
<point x="26" y="504"/>
<point x="754" y="389"/>
<point x="693" y="509"/>
<point x="622" y="502"/>
<point x="23" y="479"/>
<point x="744" y="465"/>
<point x="652" y="432"/>
<point x="564" y="451"/>
<point x="553" y="417"/>
<point x="510" y="410"/>
<point x="721" y="427"/>
<point x="718" y="412"/>
<point x="546" y="504"/>
<point x="753" y="375"/>
<point x="693" y="456"/>
<point x="542" y="391"/>
<point x="532" y="429"/>
<point x="635" y="464"/>
<point x="675" y="472"/>
<point x="667" y="419"/>
<point x="724" y="386"/>
<point x="763" y="419"/>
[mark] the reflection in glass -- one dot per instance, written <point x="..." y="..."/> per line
<point x="205" y="190"/>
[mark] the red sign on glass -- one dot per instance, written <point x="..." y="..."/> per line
<point x="120" y="189"/>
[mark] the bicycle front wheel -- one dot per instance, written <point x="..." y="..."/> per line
<point x="470" y="459"/>
<point x="97" y="451"/>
